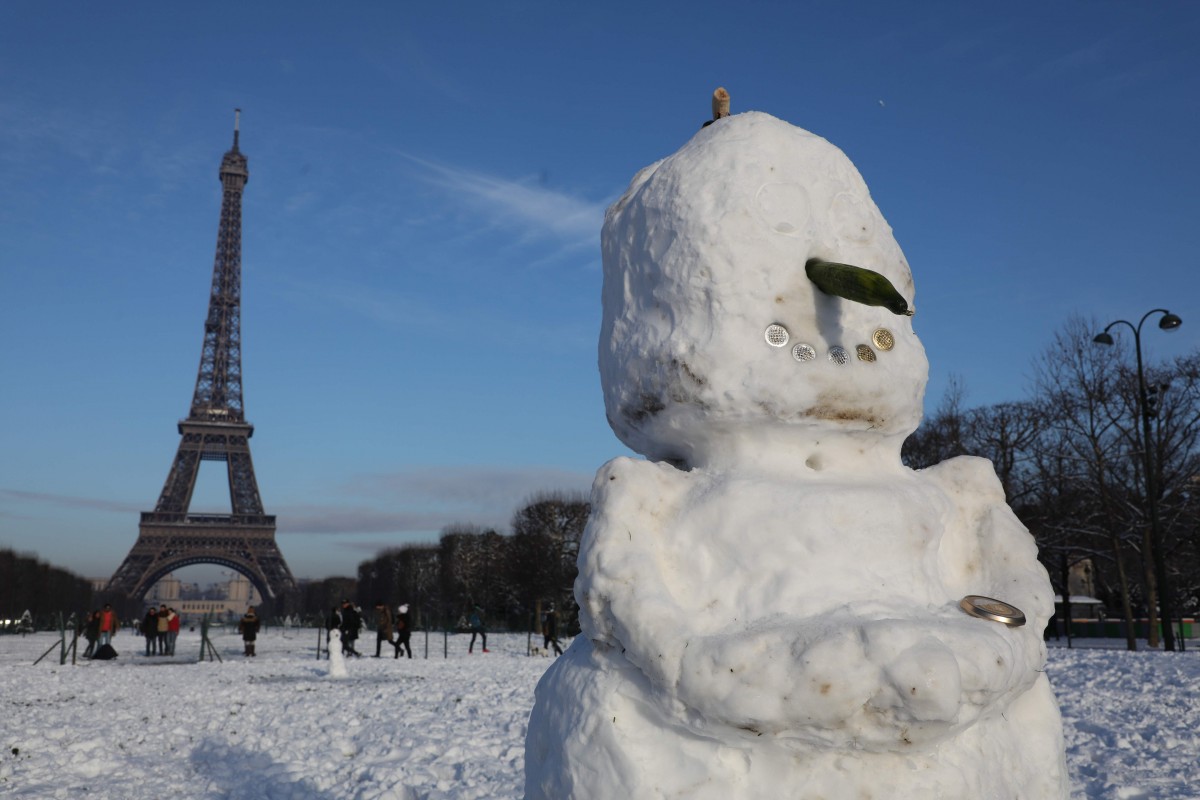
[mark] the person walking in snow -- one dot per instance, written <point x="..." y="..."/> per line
<point x="150" y="631"/>
<point x="383" y="626"/>
<point x="248" y="628"/>
<point x="91" y="632"/>
<point x="476" y="623"/>
<point x="108" y="624"/>
<point x="550" y="631"/>
<point x="351" y="623"/>
<point x="403" y="633"/>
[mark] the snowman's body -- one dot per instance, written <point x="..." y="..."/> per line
<point x="770" y="608"/>
<point x="337" y="663"/>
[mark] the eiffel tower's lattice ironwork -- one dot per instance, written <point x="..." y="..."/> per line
<point x="169" y="537"/>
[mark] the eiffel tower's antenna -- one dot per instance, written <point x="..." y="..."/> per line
<point x="237" y="123"/>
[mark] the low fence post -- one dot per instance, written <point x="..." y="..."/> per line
<point x="206" y="645"/>
<point x="43" y="655"/>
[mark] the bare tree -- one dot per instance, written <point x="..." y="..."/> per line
<point x="1175" y="405"/>
<point x="471" y="564"/>
<point x="1083" y="461"/>
<point x="31" y="585"/>
<point x="940" y="436"/>
<point x="547" y="530"/>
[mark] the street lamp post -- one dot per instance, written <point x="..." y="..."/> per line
<point x="1168" y="322"/>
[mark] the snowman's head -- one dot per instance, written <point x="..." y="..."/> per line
<point x="713" y="332"/>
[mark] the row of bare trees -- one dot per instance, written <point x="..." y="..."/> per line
<point x="1072" y="463"/>
<point x="512" y="577"/>
<point x="27" y="584"/>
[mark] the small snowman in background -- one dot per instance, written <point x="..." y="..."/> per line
<point x="773" y="605"/>
<point x="337" y="664"/>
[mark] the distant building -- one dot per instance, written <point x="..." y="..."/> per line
<point x="222" y="601"/>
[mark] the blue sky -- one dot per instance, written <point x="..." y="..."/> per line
<point x="421" y="289"/>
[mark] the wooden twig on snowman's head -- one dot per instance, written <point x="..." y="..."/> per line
<point x="720" y="106"/>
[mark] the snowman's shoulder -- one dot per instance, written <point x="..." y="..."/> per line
<point x="626" y="474"/>
<point x="967" y="480"/>
<point x="627" y="487"/>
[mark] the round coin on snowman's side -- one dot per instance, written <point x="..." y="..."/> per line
<point x="991" y="609"/>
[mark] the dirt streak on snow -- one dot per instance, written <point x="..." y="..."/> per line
<point x="277" y="727"/>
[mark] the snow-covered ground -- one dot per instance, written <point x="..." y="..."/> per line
<point x="277" y="726"/>
<point x="1130" y="720"/>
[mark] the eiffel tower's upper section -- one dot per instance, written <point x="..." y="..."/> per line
<point x="218" y="396"/>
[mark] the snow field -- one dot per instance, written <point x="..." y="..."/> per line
<point x="278" y="727"/>
<point x="1130" y="721"/>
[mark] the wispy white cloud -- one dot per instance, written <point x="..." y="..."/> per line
<point x="1109" y="66"/>
<point x="385" y="306"/>
<point x="530" y="210"/>
<point x="480" y="488"/>
<point x="397" y="310"/>
<point x="1084" y="59"/>
<point x="426" y="500"/>
<point x="340" y="519"/>
<point x="69" y="501"/>
<point x="365" y="546"/>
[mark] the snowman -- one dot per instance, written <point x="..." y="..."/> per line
<point x="772" y="604"/>
<point x="337" y="662"/>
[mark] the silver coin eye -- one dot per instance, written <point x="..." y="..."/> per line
<point x="838" y="355"/>
<point x="803" y="352"/>
<point x="777" y="335"/>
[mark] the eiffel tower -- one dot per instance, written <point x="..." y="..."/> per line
<point x="169" y="537"/>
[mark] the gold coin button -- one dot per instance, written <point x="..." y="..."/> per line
<point x="865" y="353"/>
<point x="883" y="339"/>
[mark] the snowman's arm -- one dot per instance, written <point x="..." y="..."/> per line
<point x="630" y="569"/>
<point x="985" y="549"/>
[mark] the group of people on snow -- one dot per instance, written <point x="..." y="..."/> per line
<point x="346" y="619"/>
<point x="395" y="629"/>
<point x="160" y="626"/>
<point x="99" y="629"/>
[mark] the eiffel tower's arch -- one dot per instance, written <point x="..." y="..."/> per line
<point x="160" y="555"/>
